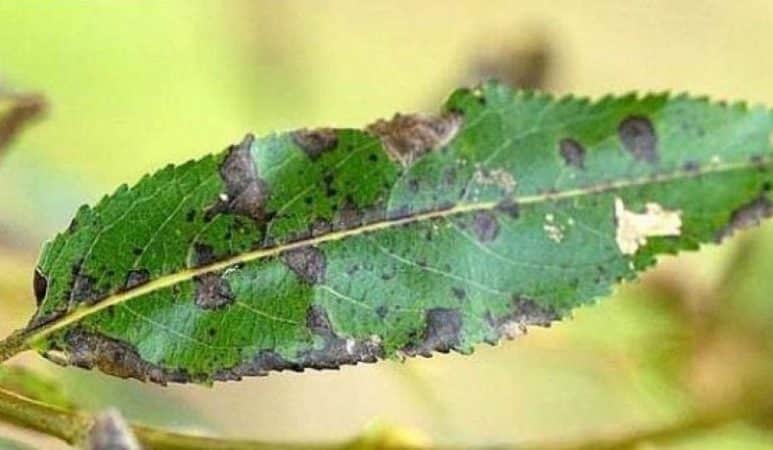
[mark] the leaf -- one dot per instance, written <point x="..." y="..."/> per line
<point x="318" y="248"/>
<point x="33" y="385"/>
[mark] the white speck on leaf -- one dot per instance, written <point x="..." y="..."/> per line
<point x="633" y="229"/>
<point x="497" y="177"/>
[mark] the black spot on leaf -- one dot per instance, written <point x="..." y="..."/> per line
<point x="212" y="291"/>
<point x="524" y="312"/>
<point x="638" y="137"/>
<point x="307" y="262"/>
<point x="572" y="152"/>
<point x="509" y="207"/>
<point x="459" y="293"/>
<point x="39" y="286"/>
<point x="441" y="333"/>
<point x="315" y="142"/>
<point x="748" y="215"/>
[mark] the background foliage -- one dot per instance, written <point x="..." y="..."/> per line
<point x="134" y="86"/>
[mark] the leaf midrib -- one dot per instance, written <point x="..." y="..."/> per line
<point x="165" y="281"/>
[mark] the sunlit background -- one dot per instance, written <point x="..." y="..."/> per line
<point x="132" y="86"/>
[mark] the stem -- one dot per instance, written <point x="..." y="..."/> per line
<point x="13" y="345"/>
<point x="72" y="427"/>
<point x="66" y="425"/>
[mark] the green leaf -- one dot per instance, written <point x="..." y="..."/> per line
<point x="423" y="233"/>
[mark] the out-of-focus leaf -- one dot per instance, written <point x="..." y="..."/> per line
<point x="423" y="233"/>
<point x="35" y="386"/>
<point x="16" y="112"/>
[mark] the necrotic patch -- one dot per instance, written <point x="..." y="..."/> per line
<point x="572" y="152"/>
<point x="315" y="142"/>
<point x="307" y="262"/>
<point x="406" y="137"/>
<point x="246" y="194"/>
<point x="748" y="215"/>
<point x="485" y="226"/>
<point x="524" y="312"/>
<point x="212" y="291"/>
<point x="441" y="334"/>
<point x="88" y="350"/>
<point x="136" y="278"/>
<point x="638" y="137"/>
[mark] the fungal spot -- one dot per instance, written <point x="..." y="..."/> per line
<point x="748" y="215"/>
<point x="39" y="286"/>
<point x="84" y="288"/>
<point x="509" y="207"/>
<point x="136" y="278"/>
<point x="315" y="142"/>
<point x="572" y="152"/>
<point x="246" y="194"/>
<point x="459" y="293"/>
<point x="89" y="350"/>
<point x="496" y="177"/>
<point x="109" y="431"/>
<point x="203" y="255"/>
<point x="212" y="291"/>
<point x="638" y="137"/>
<point x="485" y="226"/>
<point x="137" y="251"/>
<point x="407" y="137"/>
<point x="633" y="229"/>
<point x="382" y="311"/>
<point x="413" y="185"/>
<point x="307" y="262"/>
<point x="190" y="215"/>
<point x="524" y="312"/>
<point x="691" y="166"/>
<point x="441" y="334"/>
<point x="349" y="216"/>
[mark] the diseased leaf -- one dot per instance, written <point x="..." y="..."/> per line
<point x="424" y="233"/>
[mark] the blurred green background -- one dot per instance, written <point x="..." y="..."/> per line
<point x="132" y="86"/>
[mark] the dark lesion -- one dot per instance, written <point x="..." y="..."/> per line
<point x="638" y="136"/>
<point x="407" y="137"/>
<point x="315" y="142"/>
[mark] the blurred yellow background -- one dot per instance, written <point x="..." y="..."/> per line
<point x="133" y="86"/>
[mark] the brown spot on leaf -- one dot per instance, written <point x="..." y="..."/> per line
<point x="212" y="291"/>
<point x="638" y="137"/>
<point x="441" y="334"/>
<point x="315" y="142"/>
<point x="572" y="152"/>
<point x="84" y="288"/>
<point x="246" y="194"/>
<point x="509" y="207"/>
<point x="307" y="262"/>
<point x="485" y="226"/>
<point x="136" y="278"/>
<point x="89" y="350"/>
<point x="748" y="215"/>
<point x="203" y="254"/>
<point x="39" y="286"/>
<point x="406" y="137"/>
<point x="459" y="293"/>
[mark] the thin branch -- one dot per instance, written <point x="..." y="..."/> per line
<point x="13" y="345"/>
<point x="72" y="426"/>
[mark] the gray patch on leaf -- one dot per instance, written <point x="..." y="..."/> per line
<point x="485" y="225"/>
<point x="111" y="432"/>
<point x="84" y="288"/>
<point x="246" y="194"/>
<point x="524" y="312"/>
<point x="136" y="277"/>
<point x="441" y="334"/>
<point x="202" y="255"/>
<point x="406" y="137"/>
<point x="572" y="152"/>
<point x="315" y="142"/>
<point x="638" y="137"/>
<point x="90" y="350"/>
<point x="748" y="215"/>
<point x="307" y="262"/>
<point x="212" y="291"/>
